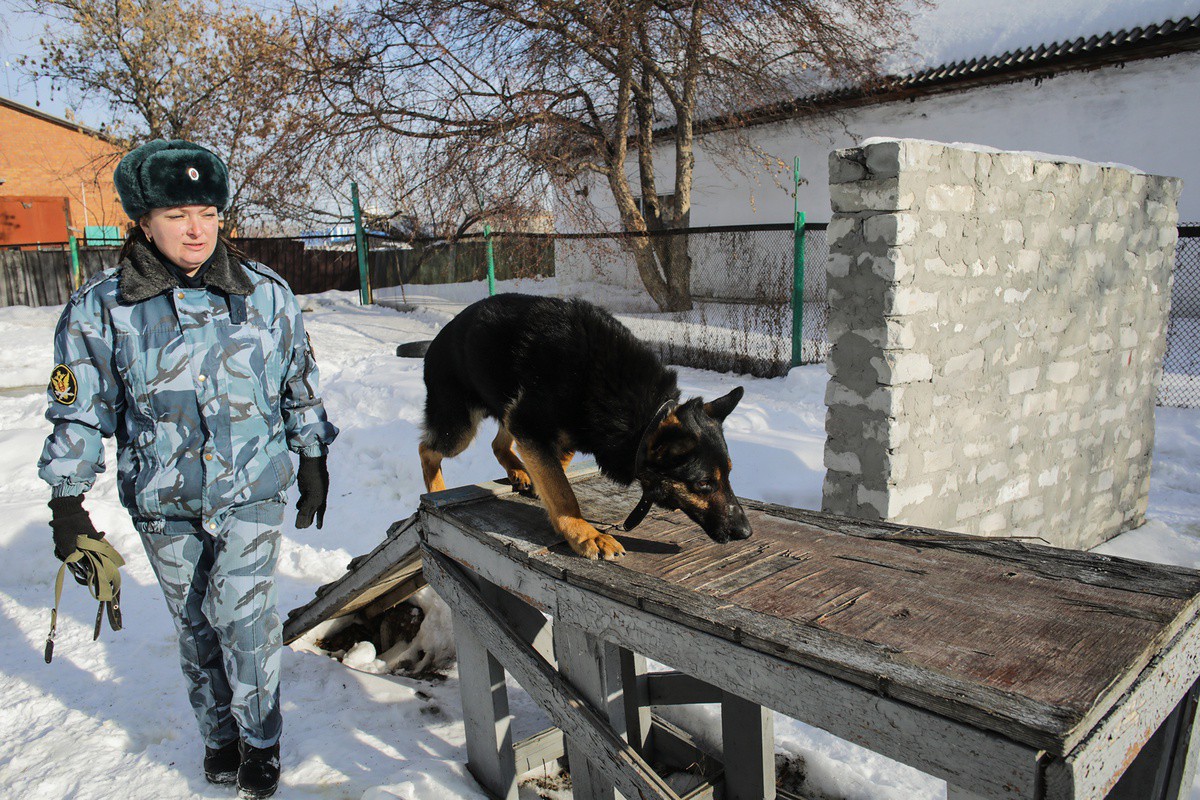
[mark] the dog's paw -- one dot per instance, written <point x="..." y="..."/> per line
<point x="608" y="548"/>
<point x="521" y="482"/>
<point x="591" y="543"/>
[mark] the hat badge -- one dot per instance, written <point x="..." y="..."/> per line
<point x="193" y="173"/>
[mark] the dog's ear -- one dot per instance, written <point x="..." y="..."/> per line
<point x="720" y="408"/>
<point x="670" y="444"/>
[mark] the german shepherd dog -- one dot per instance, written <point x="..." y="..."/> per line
<point x="565" y="376"/>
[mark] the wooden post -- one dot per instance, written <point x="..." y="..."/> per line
<point x="1165" y="767"/>
<point x="592" y="666"/>
<point x="636" y="692"/>
<point x="486" y="718"/>
<point x="567" y="706"/>
<point x="748" y="733"/>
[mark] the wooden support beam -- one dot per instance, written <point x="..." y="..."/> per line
<point x="1160" y="769"/>
<point x="939" y="745"/>
<point x="566" y="706"/>
<point x="540" y="751"/>
<point x="405" y="588"/>
<point x="486" y="718"/>
<point x="592" y="667"/>
<point x="680" y="689"/>
<point x="635" y="690"/>
<point x="748" y="741"/>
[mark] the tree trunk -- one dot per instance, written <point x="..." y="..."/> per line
<point x="665" y="268"/>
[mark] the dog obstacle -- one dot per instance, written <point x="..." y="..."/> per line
<point x="1007" y="668"/>
<point x="373" y="584"/>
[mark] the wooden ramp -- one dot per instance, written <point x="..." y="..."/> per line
<point x="373" y="583"/>
<point x="1007" y="668"/>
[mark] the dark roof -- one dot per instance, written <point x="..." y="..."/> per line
<point x="1036" y="63"/>
<point x="66" y="123"/>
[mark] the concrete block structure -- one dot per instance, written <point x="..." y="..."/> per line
<point x="998" y="325"/>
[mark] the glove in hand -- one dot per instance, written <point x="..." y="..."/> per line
<point x="69" y="520"/>
<point x="313" y="479"/>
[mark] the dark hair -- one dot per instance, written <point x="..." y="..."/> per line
<point x="136" y="234"/>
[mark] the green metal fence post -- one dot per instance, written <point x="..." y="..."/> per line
<point x="491" y="259"/>
<point x="797" y="273"/>
<point x="75" y="277"/>
<point x="360" y="245"/>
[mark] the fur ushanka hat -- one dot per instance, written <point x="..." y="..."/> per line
<point x="162" y="174"/>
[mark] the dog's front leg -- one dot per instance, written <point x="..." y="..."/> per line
<point x="502" y="446"/>
<point x="565" y="517"/>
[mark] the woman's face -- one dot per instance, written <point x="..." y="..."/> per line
<point x="186" y="235"/>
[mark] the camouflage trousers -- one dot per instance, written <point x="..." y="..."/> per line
<point x="220" y="590"/>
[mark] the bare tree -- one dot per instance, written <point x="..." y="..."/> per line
<point x="592" y="86"/>
<point x="204" y="70"/>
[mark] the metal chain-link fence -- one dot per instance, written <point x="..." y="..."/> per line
<point x="1180" y="386"/>
<point x="741" y="282"/>
<point x="741" y="286"/>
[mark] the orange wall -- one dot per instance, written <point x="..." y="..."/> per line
<point x="40" y="157"/>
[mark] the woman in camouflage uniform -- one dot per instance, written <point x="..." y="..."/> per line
<point x="197" y="361"/>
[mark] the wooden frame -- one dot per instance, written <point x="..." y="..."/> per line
<point x="592" y="681"/>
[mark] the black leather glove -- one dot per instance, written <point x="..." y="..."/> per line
<point x="69" y="520"/>
<point x="313" y="479"/>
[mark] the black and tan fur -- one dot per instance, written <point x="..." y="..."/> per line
<point x="565" y="376"/>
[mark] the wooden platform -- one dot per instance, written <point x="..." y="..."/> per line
<point x="1010" y="669"/>
<point x="373" y="584"/>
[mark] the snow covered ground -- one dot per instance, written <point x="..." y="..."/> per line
<point x="110" y="718"/>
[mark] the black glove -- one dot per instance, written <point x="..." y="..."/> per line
<point x="313" y="479"/>
<point x="69" y="521"/>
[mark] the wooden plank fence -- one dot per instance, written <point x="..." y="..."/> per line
<point x="43" y="277"/>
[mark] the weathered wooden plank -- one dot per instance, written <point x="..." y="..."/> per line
<point x="944" y="747"/>
<point x="678" y="749"/>
<point x="540" y="751"/>
<point x="870" y="666"/>
<point x="486" y="718"/>
<point x="748" y="742"/>
<point x="1075" y="565"/>
<point x="1095" y="766"/>
<point x="395" y="562"/>
<point x="679" y="688"/>
<point x="983" y="667"/>
<point x="447" y="498"/>
<point x="956" y="793"/>
<point x="564" y="704"/>
<point x="592" y="666"/>
<point x="635" y="690"/>
<point x="1150" y="773"/>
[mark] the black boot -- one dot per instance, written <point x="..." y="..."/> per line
<point x="258" y="776"/>
<point x="221" y="763"/>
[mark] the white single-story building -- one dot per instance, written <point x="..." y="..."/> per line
<point x="1128" y="95"/>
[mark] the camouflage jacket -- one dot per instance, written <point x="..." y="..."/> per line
<point x="205" y="389"/>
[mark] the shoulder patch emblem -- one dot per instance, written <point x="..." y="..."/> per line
<point x="63" y="385"/>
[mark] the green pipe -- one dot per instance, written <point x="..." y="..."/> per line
<point x="797" y="273"/>
<point x="360" y="245"/>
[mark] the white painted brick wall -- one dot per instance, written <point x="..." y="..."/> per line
<point x="997" y="324"/>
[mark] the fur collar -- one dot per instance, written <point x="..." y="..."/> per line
<point x="143" y="275"/>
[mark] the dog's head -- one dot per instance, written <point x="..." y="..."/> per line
<point x="686" y="466"/>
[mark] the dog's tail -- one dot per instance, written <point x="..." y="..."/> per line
<point x="414" y="349"/>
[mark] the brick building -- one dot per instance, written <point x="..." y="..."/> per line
<point x="55" y="175"/>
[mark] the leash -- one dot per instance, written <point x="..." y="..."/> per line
<point x="642" y="508"/>
<point x="97" y="565"/>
